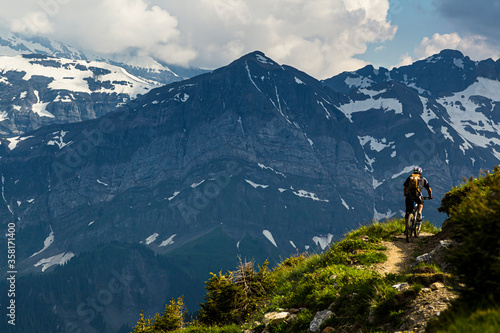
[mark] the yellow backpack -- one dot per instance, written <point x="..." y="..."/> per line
<point x="413" y="187"/>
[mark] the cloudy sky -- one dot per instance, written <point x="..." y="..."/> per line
<point x="320" y="37"/>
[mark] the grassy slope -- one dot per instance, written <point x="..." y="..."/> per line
<point x="342" y="280"/>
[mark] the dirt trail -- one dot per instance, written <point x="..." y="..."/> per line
<point x="431" y="301"/>
<point x="399" y="254"/>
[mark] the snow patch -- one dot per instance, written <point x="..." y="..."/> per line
<point x="386" y="104"/>
<point x="60" y="259"/>
<point x="262" y="166"/>
<point x="102" y="183"/>
<point x="359" y="82"/>
<point x="263" y="60"/>
<point x="375" y="144"/>
<point x="59" y="140"/>
<point x="255" y="185"/>
<point x="269" y="236"/>
<point x="405" y="170"/>
<point x="174" y="195"/>
<point x="345" y="204"/>
<point x="3" y="116"/>
<point x="308" y="195"/>
<point x="327" y="113"/>
<point x="151" y="238"/>
<point x="168" y="241"/>
<point x="195" y="185"/>
<point x="323" y="241"/>
<point x="46" y="243"/>
<point x="458" y="62"/>
<point x="298" y="81"/>
<point x="14" y="141"/>
<point x="379" y="216"/>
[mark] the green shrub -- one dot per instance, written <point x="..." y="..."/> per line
<point x="454" y="198"/>
<point x="232" y="297"/>
<point x="476" y="222"/>
<point x="467" y="318"/>
<point x="170" y="320"/>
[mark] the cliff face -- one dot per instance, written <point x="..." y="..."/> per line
<point x="38" y="90"/>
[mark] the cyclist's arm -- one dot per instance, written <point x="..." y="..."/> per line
<point x="404" y="190"/>
<point x="429" y="191"/>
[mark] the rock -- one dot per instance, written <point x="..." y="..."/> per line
<point x="401" y="286"/>
<point x="332" y="306"/>
<point x="436" y="256"/>
<point x="319" y="319"/>
<point x="437" y="285"/>
<point x="275" y="317"/>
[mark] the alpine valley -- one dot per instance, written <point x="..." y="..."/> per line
<point x="126" y="211"/>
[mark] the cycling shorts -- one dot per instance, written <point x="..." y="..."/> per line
<point x="410" y="199"/>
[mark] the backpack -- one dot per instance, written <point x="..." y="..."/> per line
<point x="413" y="187"/>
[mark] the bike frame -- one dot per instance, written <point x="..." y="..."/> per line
<point x="412" y="226"/>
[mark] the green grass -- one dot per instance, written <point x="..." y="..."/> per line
<point x="205" y="329"/>
<point x="466" y="317"/>
<point x="341" y="279"/>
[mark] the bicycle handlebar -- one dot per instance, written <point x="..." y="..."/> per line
<point x="427" y="198"/>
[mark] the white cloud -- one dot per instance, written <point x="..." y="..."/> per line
<point x="320" y="37"/>
<point x="405" y="60"/>
<point x="476" y="47"/>
<point x="32" y="23"/>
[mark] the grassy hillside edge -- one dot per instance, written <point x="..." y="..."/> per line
<point x="345" y="286"/>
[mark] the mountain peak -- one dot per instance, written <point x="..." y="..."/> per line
<point x="257" y="57"/>
<point x="448" y="53"/>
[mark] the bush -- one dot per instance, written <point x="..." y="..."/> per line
<point x="454" y="198"/>
<point x="477" y="228"/>
<point x="232" y="297"/>
<point x="171" y="319"/>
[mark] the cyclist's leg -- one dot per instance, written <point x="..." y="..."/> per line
<point x="409" y="209"/>
<point x="420" y="206"/>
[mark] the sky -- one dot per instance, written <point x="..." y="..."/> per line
<point x="320" y="37"/>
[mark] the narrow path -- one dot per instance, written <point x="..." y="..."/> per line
<point x="399" y="254"/>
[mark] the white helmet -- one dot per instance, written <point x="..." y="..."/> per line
<point x="417" y="170"/>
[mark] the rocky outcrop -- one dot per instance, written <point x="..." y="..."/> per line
<point x="436" y="256"/>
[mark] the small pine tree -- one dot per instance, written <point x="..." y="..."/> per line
<point x="143" y="325"/>
<point x="231" y="297"/>
<point x="172" y="318"/>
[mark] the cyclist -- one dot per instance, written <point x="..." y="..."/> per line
<point x="413" y="192"/>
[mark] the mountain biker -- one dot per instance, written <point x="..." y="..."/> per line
<point x="413" y="192"/>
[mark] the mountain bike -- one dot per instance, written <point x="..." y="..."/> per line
<point x="413" y="224"/>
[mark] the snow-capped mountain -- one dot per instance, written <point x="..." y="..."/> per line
<point x="37" y="90"/>
<point x="442" y="113"/>
<point x="145" y="67"/>
<point x="255" y="158"/>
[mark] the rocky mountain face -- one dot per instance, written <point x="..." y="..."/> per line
<point x="37" y="90"/>
<point x="254" y="159"/>
<point x="441" y="113"/>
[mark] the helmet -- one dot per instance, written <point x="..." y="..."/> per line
<point x="417" y="170"/>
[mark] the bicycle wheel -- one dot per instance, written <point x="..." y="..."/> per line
<point x="418" y="226"/>
<point x="409" y="227"/>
